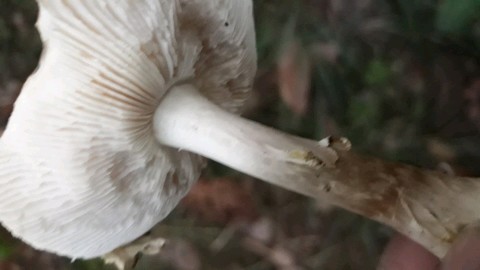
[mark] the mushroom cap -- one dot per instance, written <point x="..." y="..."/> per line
<point x="80" y="170"/>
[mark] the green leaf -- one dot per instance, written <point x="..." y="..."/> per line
<point x="457" y="16"/>
<point x="378" y="73"/>
<point x="4" y="31"/>
<point x="5" y="250"/>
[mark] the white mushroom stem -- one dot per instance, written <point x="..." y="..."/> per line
<point x="430" y="207"/>
<point x="186" y="120"/>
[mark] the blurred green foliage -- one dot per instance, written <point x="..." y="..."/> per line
<point x="456" y="17"/>
<point x="393" y="58"/>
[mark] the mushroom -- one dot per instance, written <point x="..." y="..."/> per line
<point x="111" y="130"/>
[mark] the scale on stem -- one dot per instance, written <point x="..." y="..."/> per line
<point x="110" y="133"/>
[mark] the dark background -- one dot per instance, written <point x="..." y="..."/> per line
<point x="400" y="78"/>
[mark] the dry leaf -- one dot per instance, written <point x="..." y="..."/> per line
<point x="472" y="94"/>
<point x="441" y="150"/>
<point x="220" y="201"/>
<point x="328" y="52"/>
<point x="280" y="257"/>
<point x="261" y="230"/>
<point x="9" y="266"/>
<point x="294" y="77"/>
<point x="182" y="254"/>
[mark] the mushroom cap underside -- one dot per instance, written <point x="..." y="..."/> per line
<point x="78" y="160"/>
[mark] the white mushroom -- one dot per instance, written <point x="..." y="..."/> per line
<point x="81" y="171"/>
<point x="103" y="140"/>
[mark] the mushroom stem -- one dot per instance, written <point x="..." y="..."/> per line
<point x="188" y="121"/>
<point x="428" y="206"/>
